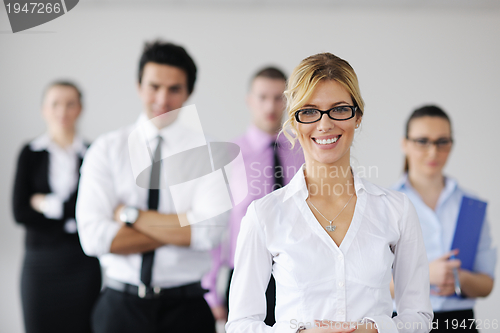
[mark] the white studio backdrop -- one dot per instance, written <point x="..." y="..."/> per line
<point x="405" y="56"/>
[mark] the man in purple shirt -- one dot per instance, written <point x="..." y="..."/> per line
<point x="269" y="164"/>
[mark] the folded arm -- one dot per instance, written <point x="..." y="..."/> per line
<point x="97" y="201"/>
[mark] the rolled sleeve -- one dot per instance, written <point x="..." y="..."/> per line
<point x="209" y="212"/>
<point x="96" y="202"/>
<point x="207" y="235"/>
<point x="411" y="279"/>
<point x="486" y="256"/>
<point x="384" y="324"/>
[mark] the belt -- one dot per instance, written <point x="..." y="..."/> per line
<point x="185" y="291"/>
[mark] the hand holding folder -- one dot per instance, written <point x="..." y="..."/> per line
<point x="444" y="274"/>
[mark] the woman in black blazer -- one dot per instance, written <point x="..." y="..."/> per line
<point x="59" y="283"/>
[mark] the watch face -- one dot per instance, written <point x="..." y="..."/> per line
<point x="123" y="216"/>
<point x="129" y="214"/>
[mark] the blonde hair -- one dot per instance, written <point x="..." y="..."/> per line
<point x="306" y="76"/>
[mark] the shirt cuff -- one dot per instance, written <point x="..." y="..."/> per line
<point x="212" y="299"/>
<point x="383" y="324"/>
<point x="200" y="233"/>
<point x="70" y="226"/>
<point x="52" y="207"/>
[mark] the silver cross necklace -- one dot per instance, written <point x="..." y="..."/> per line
<point x="331" y="227"/>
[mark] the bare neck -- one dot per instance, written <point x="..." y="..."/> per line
<point x="329" y="182"/>
<point x="429" y="187"/>
<point x="62" y="137"/>
<point x="272" y="131"/>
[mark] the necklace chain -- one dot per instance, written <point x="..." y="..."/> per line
<point x="330" y="227"/>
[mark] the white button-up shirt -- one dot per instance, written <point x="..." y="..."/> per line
<point x="63" y="175"/>
<point x="107" y="180"/>
<point x="438" y="228"/>
<point x="318" y="280"/>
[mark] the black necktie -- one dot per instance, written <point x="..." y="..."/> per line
<point x="154" y="196"/>
<point x="271" y="287"/>
<point x="278" y="169"/>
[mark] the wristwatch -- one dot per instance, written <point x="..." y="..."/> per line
<point x="129" y="215"/>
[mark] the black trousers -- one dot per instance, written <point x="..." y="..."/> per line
<point x="119" y="312"/>
<point x="270" y="319"/>
<point x="59" y="287"/>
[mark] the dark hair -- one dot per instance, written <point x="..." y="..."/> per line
<point x="63" y="83"/>
<point x="425" y="111"/>
<point x="168" y="54"/>
<point x="270" y="73"/>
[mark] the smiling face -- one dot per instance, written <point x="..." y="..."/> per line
<point x="163" y="88"/>
<point x="427" y="161"/>
<point x="328" y="141"/>
<point x="61" y="107"/>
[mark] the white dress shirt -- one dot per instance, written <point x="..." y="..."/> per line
<point x="438" y="228"/>
<point x="107" y="180"/>
<point x="62" y="177"/>
<point x="316" y="279"/>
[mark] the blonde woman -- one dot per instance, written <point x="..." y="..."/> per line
<point x="331" y="240"/>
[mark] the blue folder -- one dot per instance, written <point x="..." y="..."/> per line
<point x="469" y="224"/>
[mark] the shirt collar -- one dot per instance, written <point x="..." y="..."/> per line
<point x="169" y="134"/>
<point x="367" y="186"/>
<point x="297" y="185"/>
<point x="258" y="139"/>
<point x="401" y="183"/>
<point x="450" y="185"/>
<point x="44" y="142"/>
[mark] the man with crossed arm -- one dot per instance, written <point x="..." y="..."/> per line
<point x="153" y="266"/>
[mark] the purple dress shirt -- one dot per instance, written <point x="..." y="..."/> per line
<point x="258" y="155"/>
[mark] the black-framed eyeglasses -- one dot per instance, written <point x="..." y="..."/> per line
<point x="425" y="143"/>
<point x="308" y="116"/>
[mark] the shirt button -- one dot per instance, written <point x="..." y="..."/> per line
<point x="341" y="284"/>
<point x="340" y="257"/>
<point x="341" y="312"/>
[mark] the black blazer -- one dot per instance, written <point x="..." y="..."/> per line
<point x="32" y="176"/>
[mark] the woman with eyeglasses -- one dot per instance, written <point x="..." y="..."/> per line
<point x="59" y="283"/>
<point x="437" y="199"/>
<point x="329" y="238"/>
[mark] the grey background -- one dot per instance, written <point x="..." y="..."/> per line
<point x="406" y="53"/>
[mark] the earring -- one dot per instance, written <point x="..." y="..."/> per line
<point x="357" y="125"/>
